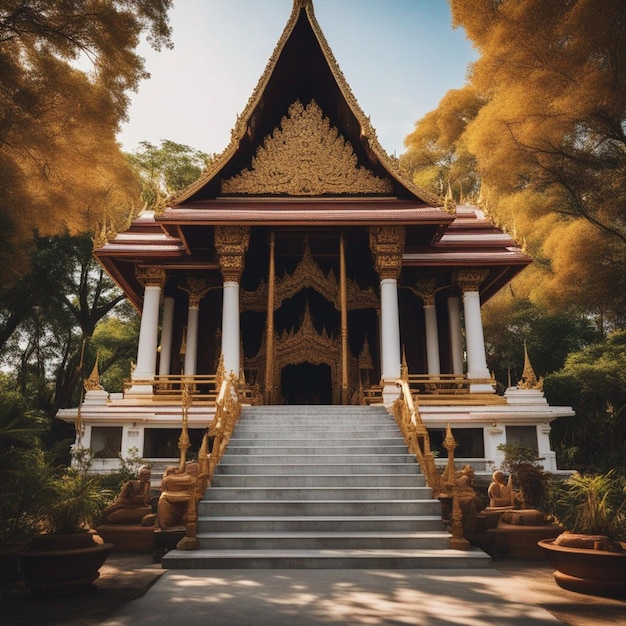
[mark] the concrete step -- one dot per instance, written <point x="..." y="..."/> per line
<point x="329" y="481"/>
<point x="318" y="459"/>
<point x="372" y="494"/>
<point x="320" y="487"/>
<point x="319" y="507"/>
<point x="327" y="559"/>
<point x="381" y="540"/>
<point x="318" y="447"/>
<point x="321" y="523"/>
<point x="308" y="438"/>
<point x="234" y="465"/>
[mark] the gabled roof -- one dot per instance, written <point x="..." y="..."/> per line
<point x="302" y="69"/>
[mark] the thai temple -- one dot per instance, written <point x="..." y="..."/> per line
<point x="305" y="267"/>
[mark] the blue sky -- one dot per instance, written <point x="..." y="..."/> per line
<point x="399" y="56"/>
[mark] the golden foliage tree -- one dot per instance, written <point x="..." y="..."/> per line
<point x="546" y="136"/>
<point x="60" y="165"/>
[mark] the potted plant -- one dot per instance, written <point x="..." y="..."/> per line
<point x="67" y="555"/>
<point x="591" y="556"/>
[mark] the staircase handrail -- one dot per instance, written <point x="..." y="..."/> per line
<point x="417" y="439"/>
<point x="227" y="411"/>
<point x="416" y="435"/>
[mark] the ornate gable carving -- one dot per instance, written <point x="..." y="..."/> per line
<point x="306" y="156"/>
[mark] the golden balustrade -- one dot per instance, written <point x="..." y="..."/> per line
<point x="227" y="412"/>
<point x="417" y="439"/>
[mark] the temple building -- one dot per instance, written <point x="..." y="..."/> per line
<point x="304" y="263"/>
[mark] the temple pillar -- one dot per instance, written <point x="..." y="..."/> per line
<point x="153" y="280"/>
<point x="231" y="243"/>
<point x="387" y="244"/>
<point x="167" y="328"/>
<point x="456" y="335"/>
<point x="195" y="288"/>
<point x="469" y="282"/>
<point x="426" y="290"/>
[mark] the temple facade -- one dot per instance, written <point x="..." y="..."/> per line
<point x="302" y="263"/>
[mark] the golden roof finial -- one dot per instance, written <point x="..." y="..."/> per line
<point x="529" y="378"/>
<point x="93" y="382"/>
<point x="449" y="205"/>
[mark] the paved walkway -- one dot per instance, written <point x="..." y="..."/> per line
<point x="133" y="590"/>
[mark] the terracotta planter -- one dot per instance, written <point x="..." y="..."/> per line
<point x="64" y="563"/>
<point x="594" y="572"/>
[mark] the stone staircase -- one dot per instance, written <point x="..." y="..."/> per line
<point x="320" y="487"/>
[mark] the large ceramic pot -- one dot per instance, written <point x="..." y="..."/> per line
<point x="595" y="572"/>
<point x="64" y="563"/>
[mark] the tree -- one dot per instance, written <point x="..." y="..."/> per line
<point x="541" y="127"/>
<point x="67" y="294"/>
<point x="554" y="78"/>
<point x="593" y="380"/>
<point x="511" y="323"/>
<point x="60" y="165"/>
<point x="437" y="156"/>
<point x="166" y="168"/>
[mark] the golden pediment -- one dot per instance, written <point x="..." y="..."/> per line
<point x="305" y="156"/>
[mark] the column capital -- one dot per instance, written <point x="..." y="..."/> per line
<point x="196" y="288"/>
<point x="231" y="243"/>
<point x="470" y="280"/>
<point x="387" y="245"/>
<point x="425" y="289"/>
<point x="150" y="276"/>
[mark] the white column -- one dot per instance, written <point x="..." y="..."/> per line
<point x="230" y="327"/>
<point x="432" y="340"/>
<point x="387" y="244"/>
<point x="167" y="326"/>
<point x="231" y="243"/>
<point x="191" y="346"/>
<point x="390" y="323"/>
<point x="474" y="338"/>
<point x="456" y="334"/>
<point x="148" y="341"/>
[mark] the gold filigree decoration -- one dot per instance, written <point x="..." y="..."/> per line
<point x="309" y="274"/>
<point x="387" y="245"/>
<point x="152" y="276"/>
<point x="231" y="243"/>
<point x="365" y="357"/>
<point x="196" y="288"/>
<point x="470" y="280"/>
<point x="306" y="156"/>
<point x="425" y="289"/>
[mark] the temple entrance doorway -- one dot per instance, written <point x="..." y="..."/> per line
<point x="306" y="383"/>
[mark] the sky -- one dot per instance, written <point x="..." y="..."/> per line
<point x="399" y="57"/>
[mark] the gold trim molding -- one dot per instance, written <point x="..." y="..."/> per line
<point x="470" y="280"/>
<point x="152" y="276"/>
<point x="231" y="243"/>
<point x="196" y="289"/>
<point x="305" y="156"/>
<point x="387" y="245"/>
